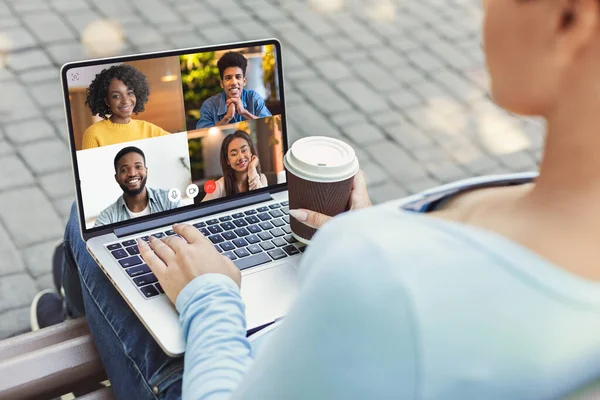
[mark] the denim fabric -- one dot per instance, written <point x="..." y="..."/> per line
<point x="213" y="109"/>
<point x="158" y="201"/>
<point x="136" y="366"/>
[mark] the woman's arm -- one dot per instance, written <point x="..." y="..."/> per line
<point x="217" y="353"/>
<point x="351" y="332"/>
<point x="256" y="180"/>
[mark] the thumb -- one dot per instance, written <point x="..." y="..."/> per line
<point x="310" y="218"/>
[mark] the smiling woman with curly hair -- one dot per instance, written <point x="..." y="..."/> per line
<point x="115" y="94"/>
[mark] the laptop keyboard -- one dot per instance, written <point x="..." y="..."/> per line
<point x="248" y="238"/>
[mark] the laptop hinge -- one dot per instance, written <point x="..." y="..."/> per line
<point x="192" y="214"/>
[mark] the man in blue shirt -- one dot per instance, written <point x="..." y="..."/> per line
<point x="234" y="103"/>
<point x="137" y="200"/>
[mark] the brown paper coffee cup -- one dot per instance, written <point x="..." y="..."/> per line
<point x="320" y="176"/>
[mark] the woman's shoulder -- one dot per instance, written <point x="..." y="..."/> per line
<point x="147" y="126"/>
<point x="97" y="127"/>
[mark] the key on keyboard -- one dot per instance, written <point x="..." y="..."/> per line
<point x="253" y="229"/>
<point x="277" y="254"/>
<point x="149" y="291"/>
<point x="144" y="279"/>
<point x="279" y="242"/>
<point x="252" y="261"/>
<point x="240" y="242"/>
<point x="130" y="261"/>
<point x="121" y="253"/>
<point x="252" y="239"/>
<point x="228" y="235"/>
<point x="139" y="270"/>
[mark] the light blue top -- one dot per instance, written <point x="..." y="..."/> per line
<point x="158" y="200"/>
<point x="214" y="109"/>
<point x="395" y="305"/>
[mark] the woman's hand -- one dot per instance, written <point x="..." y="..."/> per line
<point x="253" y="162"/>
<point x="359" y="198"/>
<point x="176" y="262"/>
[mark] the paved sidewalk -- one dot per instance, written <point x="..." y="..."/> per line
<point x="410" y="95"/>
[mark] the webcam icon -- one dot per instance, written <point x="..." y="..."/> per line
<point x="192" y="190"/>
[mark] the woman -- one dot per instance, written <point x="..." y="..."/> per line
<point x="241" y="167"/>
<point x="115" y="95"/>
<point x="494" y="295"/>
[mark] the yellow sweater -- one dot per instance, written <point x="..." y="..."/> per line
<point x="105" y="132"/>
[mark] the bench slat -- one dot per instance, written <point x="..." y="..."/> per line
<point x="51" y="370"/>
<point x="32" y="341"/>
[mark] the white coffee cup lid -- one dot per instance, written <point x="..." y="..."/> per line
<point x="321" y="159"/>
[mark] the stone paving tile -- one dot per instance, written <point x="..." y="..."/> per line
<point x="299" y="76"/>
<point x="16" y="103"/>
<point x="363" y="133"/>
<point x="24" y="7"/>
<point x="65" y="52"/>
<point x="365" y="98"/>
<point x="311" y="122"/>
<point x="396" y="161"/>
<point x="333" y="70"/>
<point x="38" y="258"/>
<point x="46" y="156"/>
<point x="70" y="6"/>
<point x="43" y="74"/>
<point x="28" y="59"/>
<point x="421" y="185"/>
<point x="221" y="34"/>
<point x="11" y="259"/>
<point x="15" y="39"/>
<point x="339" y="44"/>
<point x="29" y="216"/>
<point x="29" y="131"/>
<point x="48" y="27"/>
<point x="80" y="19"/>
<point x="14" y="173"/>
<point x="323" y="97"/>
<point x="14" y="321"/>
<point x="16" y="291"/>
<point x="305" y="44"/>
<point x="5" y="148"/>
<point x="63" y="206"/>
<point x="4" y="10"/>
<point x="44" y="282"/>
<point x="386" y="192"/>
<point x="58" y="184"/>
<point x="374" y="174"/>
<point x="157" y="12"/>
<point x="378" y="77"/>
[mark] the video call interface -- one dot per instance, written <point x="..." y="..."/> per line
<point x="157" y="134"/>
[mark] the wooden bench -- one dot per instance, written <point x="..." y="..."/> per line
<point x="52" y="362"/>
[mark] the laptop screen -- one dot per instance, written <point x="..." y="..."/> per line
<point x="160" y="132"/>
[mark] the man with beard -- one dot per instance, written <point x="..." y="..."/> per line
<point x="137" y="199"/>
<point x="234" y="103"/>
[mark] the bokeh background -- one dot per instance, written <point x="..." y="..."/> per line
<point x="403" y="81"/>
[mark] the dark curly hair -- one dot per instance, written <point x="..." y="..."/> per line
<point x="232" y="59"/>
<point x="98" y="89"/>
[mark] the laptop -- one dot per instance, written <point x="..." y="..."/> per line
<point x="155" y="141"/>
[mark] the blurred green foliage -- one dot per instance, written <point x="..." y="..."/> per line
<point x="268" y="65"/>
<point x="196" y="159"/>
<point x="200" y="77"/>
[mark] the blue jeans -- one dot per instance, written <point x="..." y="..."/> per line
<point x="136" y="366"/>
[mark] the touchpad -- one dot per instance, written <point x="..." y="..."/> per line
<point x="269" y="293"/>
